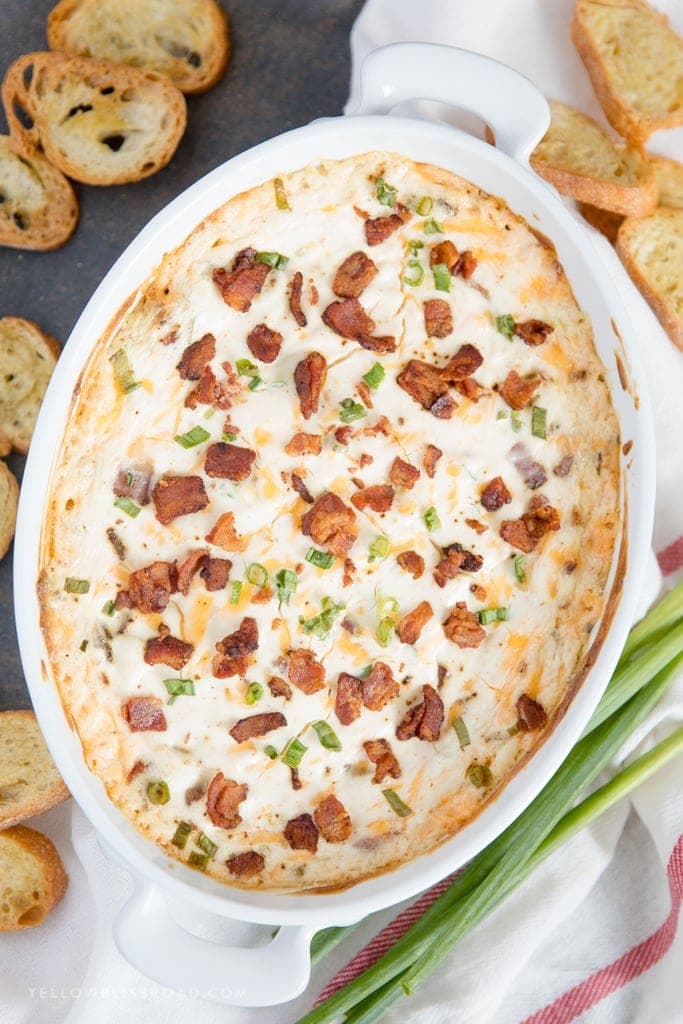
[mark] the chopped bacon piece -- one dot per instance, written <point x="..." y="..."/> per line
<point x="495" y="494"/>
<point x="168" y="650"/>
<point x="264" y="343"/>
<point x="464" y="363"/>
<point x="215" y="572"/>
<point x="385" y="343"/>
<point x="466" y="264"/>
<point x="469" y="561"/>
<point x="234" y="650"/>
<point x="348" y="319"/>
<point x="245" y="865"/>
<point x="366" y="397"/>
<point x="456" y="559"/>
<point x="295" y="289"/>
<point x="531" y="714"/>
<point x="309" y="378"/>
<point x="304" y="444"/>
<point x="149" y="588"/>
<point x="279" y="687"/>
<point x="564" y="466"/>
<point x="423" y="720"/>
<point x="206" y="392"/>
<point x="188" y="567"/>
<point x="228" y="461"/>
<point x="302" y="833"/>
<point x="424" y="383"/>
<point x="257" y="725"/>
<point x="196" y="357"/>
<point x="463" y="627"/>
<point x="176" y="496"/>
<point x="438" y="318"/>
<point x="295" y="778"/>
<point x="382" y="426"/>
<point x="353" y="276"/>
<point x="380" y="753"/>
<point x="348" y="702"/>
<point x="223" y="534"/>
<point x="223" y="797"/>
<point x="379" y="498"/>
<point x="518" y="391"/>
<point x="443" y="407"/>
<point x="533" y="332"/>
<point x="379" y="687"/>
<point x="329" y="521"/>
<point x="333" y="820"/>
<point x="412" y="563"/>
<point x="136" y="770"/>
<point x="532" y="472"/>
<point x="444" y="253"/>
<point x="525" y="533"/>
<point x="240" y="286"/>
<point x="301" y="488"/>
<point x="430" y="458"/>
<point x="133" y="482"/>
<point x="469" y="388"/>
<point x="349" y="571"/>
<point x="412" y="623"/>
<point x="144" y="714"/>
<point x="305" y="671"/>
<point x="378" y="229"/>
<point x="475" y="525"/>
<point x="402" y="474"/>
<point x="342" y="434"/>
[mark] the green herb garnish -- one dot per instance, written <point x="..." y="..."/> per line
<point x="442" y="277"/>
<point x="397" y="805"/>
<point x="254" y="693"/>
<point x="293" y="753"/>
<point x="73" y="585"/>
<point x="128" y="506"/>
<point x="415" y="245"/>
<point x="488" y="615"/>
<point x="158" y="792"/>
<point x="351" y="411"/>
<point x="254" y="383"/>
<point x="178" y="688"/>
<point x="181" y="834"/>
<point x="206" y="845"/>
<point x="385" y="631"/>
<point x="273" y="259"/>
<point x="257" y="574"/>
<point x="538" y="421"/>
<point x="327" y="736"/>
<point x="108" y="608"/>
<point x="281" y="200"/>
<point x="432" y="227"/>
<point x="197" y="859"/>
<point x="246" y="368"/>
<point x="431" y="519"/>
<point x="235" y="591"/>
<point x="192" y="438"/>
<point x="378" y="548"/>
<point x="505" y="325"/>
<point x="320" y="625"/>
<point x="424" y="205"/>
<point x="270" y="751"/>
<point x="479" y="775"/>
<point x="516" y="421"/>
<point x="123" y="371"/>
<point x="385" y="193"/>
<point x="374" y="377"/>
<point x="286" y="582"/>
<point x="414" y="274"/>
<point x="520" y="568"/>
<point x="462" y="732"/>
<point x="321" y="559"/>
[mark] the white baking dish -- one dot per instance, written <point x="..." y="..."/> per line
<point x="518" y="116"/>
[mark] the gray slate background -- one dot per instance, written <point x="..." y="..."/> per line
<point x="289" y="65"/>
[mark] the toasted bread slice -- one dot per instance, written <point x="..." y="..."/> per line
<point x="604" y="221"/>
<point x="32" y="878"/>
<point x="584" y="162"/>
<point x="98" y="122"/>
<point x="27" y="359"/>
<point x="38" y="206"/>
<point x="651" y="249"/>
<point x="184" y="39"/>
<point x="669" y="175"/>
<point x="635" y="62"/>
<point x="29" y="781"/>
<point x="9" y="497"/>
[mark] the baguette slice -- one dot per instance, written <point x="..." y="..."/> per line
<point x="99" y="123"/>
<point x="604" y="221"/>
<point x="651" y="249"/>
<point x="27" y="358"/>
<point x="184" y="39"/>
<point x="32" y="878"/>
<point x="38" y="206"/>
<point x="29" y="781"/>
<point x="9" y="498"/>
<point x="584" y="162"/>
<point x="635" y="62"/>
<point x="669" y="175"/>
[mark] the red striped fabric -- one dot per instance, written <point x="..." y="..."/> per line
<point x="671" y="558"/>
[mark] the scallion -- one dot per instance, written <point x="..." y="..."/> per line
<point x="108" y="608"/>
<point x="538" y="421"/>
<point x="273" y="259"/>
<point x="158" y="792"/>
<point x="480" y="775"/>
<point x="73" y="585"/>
<point x="257" y="574"/>
<point x="321" y="559"/>
<point x="235" y="591"/>
<point x="374" y="377"/>
<point x="505" y="325"/>
<point x="320" y="625"/>
<point x="488" y="615"/>
<point x="246" y="368"/>
<point x="385" y="193"/>
<point x="327" y="736"/>
<point x="285" y="581"/>
<point x="254" y="383"/>
<point x="293" y="752"/>
<point x="414" y="274"/>
<point x="431" y="519"/>
<point x="378" y="548"/>
<point x="254" y="693"/>
<point x="432" y="227"/>
<point x="192" y="438"/>
<point x="228" y="437"/>
<point x="178" y="688"/>
<point x="197" y="859"/>
<point x="516" y="421"/>
<point x="181" y="834"/>
<point x="520" y="568"/>
<point x="281" y="200"/>
<point x="206" y="845"/>
<point x="270" y="751"/>
<point x="424" y="206"/>
<point x="442" y="277"/>
<point x="351" y="411"/>
<point x="414" y="246"/>
<point x="397" y="805"/>
<point x="385" y="631"/>
<point x="123" y="371"/>
<point x="128" y="506"/>
<point x="462" y="732"/>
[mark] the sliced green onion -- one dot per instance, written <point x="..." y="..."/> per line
<point x="432" y="227"/>
<point x="206" y="845"/>
<point x="479" y="775"/>
<point x="181" y="834"/>
<point x="431" y="519"/>
<point x="320" y="625"/>
<point x="424" y="206"/>
<point x="378" y="548"/>
<point x="386" y="605"/>
<point x="228" y="438"/>
<point x="385" y="631"/>
<point x="520" y="568"/>
<point x="397" y="805"/>
<point x="197" y="859"/>
<point x="506" y="325"/>
<point x="123" y="371"/>
<point x="386" y="194"/>
<point x="254" y="693"/>
<point x="270" y="751"/>
<point x="293" y="752"/>
<point x="374" y="377"/>
<point x="538" y="421"/>
<point x="414" y="274"/>
<point x="286" y="582"/>
<point x="246" y="368"/>
<point x="281" y="200"/>
<point x="108" y="608"/>
<point x="191" y="439"/>
<point x="351" y="411"/>
<point x="257" y="574"/>
<point x="73" y="585"/>
<point x="442" y="277"/>
<point x="321" y="559"/>
<point x="235" y="591"/>
<point x="415" y="245"/>
<point x="158" y="792"/>
<point x="488" y="615"/>
<point x="462" y="732"/>
<point x="127" y="506"/>
<point x="327" y="736"/>
<point x="209" y="414"/>
<point x="178" y="688"/>
<point x="501" y="414"/>
<point x="254" y="383"/>
<point x="273" y="259"/>
<point x="516" y="421"/>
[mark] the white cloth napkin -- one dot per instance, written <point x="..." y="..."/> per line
<point x="588" y="905"/>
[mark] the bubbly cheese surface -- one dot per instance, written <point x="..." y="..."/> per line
<point x="531" y="612"/>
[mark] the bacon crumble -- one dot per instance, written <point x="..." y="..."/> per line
<point x="411" y="562"/>
<point x="330" y="522"/>
<point x="228" y="461"/>
<point x="333" y="820"/>
<point x="233" y="652"/>
<point x="354" y="275"/>
<point x="196" y="357"/>
<point x="224" y="535"/>
<point x="525" y="533"/>
<point x="301" y="489"/>
<point x="382" y="756"/>
<point x="495" y="494"/>
<point x="410" y="626"/>
<point x="215" y="572"/>
<point x="463" y="627"/>
<point x="402" y="474"/>
<point x="295" y="289"/>
<point x="149" y="588"/>
<point x="347" y="702"/>
<point x="348" y="319"/>
<point x="425" y="384"/>
<point x="304" y="444"/>
<point x="246" y="865"/>
<point x="302" y="833"/>
<point x="378" y="687"/>
<point x="257" y="725"/>
<point x="378" y="498"/>
<point x="518" y="391"/>
<point x="423" y="720"/>
<point x="378" y="229"/>
<point x="144" y="714"/>
<point x="176" y="496"/>
<point x="531" y="714"/>
<point x="223" y="797"/>
<point x="264" y="343"/>
<point x="188" y="567"/>
<point x="168" y="650"/>
<point x="240" y="286"/>
<point x="533" y="332"/>
<point x="279" y="687"/>
<point x="309" y="378"/>
<point x="462" y="365"/>
<point x="305" y="671"/>
<point x="133" y="482"/>
<point x="438" y="318"/>
<point x="430" y="458"/>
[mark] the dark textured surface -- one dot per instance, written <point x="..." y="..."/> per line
<point x="289" y="65"/>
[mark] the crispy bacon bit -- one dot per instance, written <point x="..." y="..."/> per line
<point x="564" y="466"/>
<point x="382" y="756"/>
<point x="518" y="391"/>
<point x="475" y="525"/>
<point x="381" y="426"/>
<point x="279" y="687"/>
<point x="424" y="383"/>
<point x="412" y="623"/>
<point x="223" y="534"/>
<point x="444" y="252"/>
<point x="423" y="720"/>
<point x="264" y="343"/>
<point x="170" y="336"/>
<point x="228" y="461"/>
<point x="525" y="533"/>
<point x="193" y="794"/>
<point x="443" y="407"/>
<point x="348" y="319"/>
<point x="215" y="572"/>
<point x="438" y="318"/>
<point x="533" y="474"/>
<point x="295" y="289"/>
<point x="239" y="286"/>
<point x="412" y="563"/>
<point x="309" y="378"/>
<point x="144" y="714"/>
<point x="257" y="725"/>
<point x="329" y="521"/>
<point x="379" y="687"/>
<point x="333" y="820"/>
<point x="466" y="264"/>
<point x="149" y="588"/>
<point x="206" y="392"/>
<point x="176" y="496"/>
<point x="353" y="276"/>
<point x="116" y="542"/>
<point x="348" y="701"/>
<point x="168" y="650"/>
<point x="136" y="770"/>
<point x="349" y="571"/>
<point x="456" y="559"/>
<point x="133" y="482"/>
<point x="469" y="388"/>
<point x="402" y="474"/>
<point x="533" y="332"/>
<point x="245" y="865"/>
<point x="261" y="595"/>
<point x="463" y="627"/>
<point x="342" y="434"/>
<point x="234" y="650"/>
<point x="464" y="363"/>
<point x="302" y="833"/>
<point x="305" y="671"/>
<point x="223" y="797"/>
<point x="366" y="397"/>
<point x="531" y="714"/>
<point x="495" y="494"/>
<point x="301" y="488"/>
<point x="377" y="229"/>
<point x="304" y="444"/>
<point x="196" y="356"/>
<point x="188" y="567"/>
<point x="379" y="498"/>
<point x="430" y="458"/>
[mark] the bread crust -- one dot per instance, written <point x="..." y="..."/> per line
<point x="604" y="221"/>
<point x="9" y="498"/>
<point x="29" y="843"/>
<point x="38" y="795"/>
<point x="41" y="350"/>
<point x="669" y="175"/>
<point x="37" y="226"/>
<point x="630" y="231"/>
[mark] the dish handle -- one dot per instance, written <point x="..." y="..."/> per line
<point x="512" y="107"/>
<point x="151" y="940"/>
